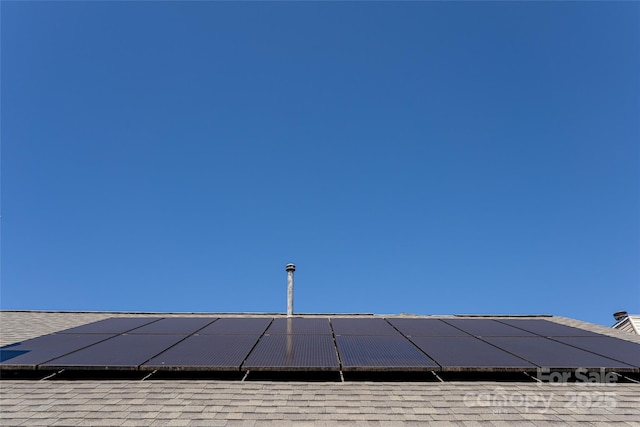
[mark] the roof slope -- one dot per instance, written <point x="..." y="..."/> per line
<point x="211" y="403"/>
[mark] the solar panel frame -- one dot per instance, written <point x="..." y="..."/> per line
<point x="362" y="326"/>
<point x="204" y="353"/>
<point x="122" y="352"/>
<point x="425" y="327"/>
<point x="174" y="326"/>
<point x="547" y="328"/>
<point x="300" y="325"/>
<point x="112" y="325"/>
<point x="548" y="353"/>
<point x="487" y="328"/>
<point x="381" y="353"/>
<point x="237" y="326"/>
<point x="470" y="354"/>
<point x="33" y="352"/>
<point x="614" y="348"/>
<point x="293" y="352"/>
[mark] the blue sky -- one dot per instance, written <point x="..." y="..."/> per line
<point x="418" y="157"/>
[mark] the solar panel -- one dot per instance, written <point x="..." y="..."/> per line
<point x="355" y="326"/>
<point x="175" y="326"/>
<point x="30" y="353"/>
<point x="614" y="348"/>
<point x="293" y="352"/>
<point x="426" y="328"/>
<point x="237" y="326"/>
<point x="547" y="353"/>
<point x="372" y="353"/>
<point x="365" y="344"/>
<point x="300" y="325"/>
<point x="114" y="325"/>
<point x="547" y="328"/>
<point x="487" y="328"/>
<point x="205" y="352"/>
<point x="121" y="352"/>
<point x="469" y="353"/>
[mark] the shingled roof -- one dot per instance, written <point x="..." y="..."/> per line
<point x="198" y="402"/>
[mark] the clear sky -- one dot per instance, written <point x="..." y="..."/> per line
<point x="416" y="157"/>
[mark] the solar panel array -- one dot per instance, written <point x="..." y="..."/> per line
<point x="322" y="344"/>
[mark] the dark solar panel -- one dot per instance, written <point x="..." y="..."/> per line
<point x="487" y="328"/>
<point x="28" y="354"/>
<point x="293" y="352"/>
<point x="547" y="353"/>
<point x="426" y="328"/>
<point x="114" y="325"/>
<point x="237" y="326"/>
<point x="375" y="353"/>
<point x="547" y="328"/>
<point x="355" y="326"/>
<point x="120" y="352"/>
<point x="175" y="326"/>
<point x="469" y="353"/>
<point x="300" y="325"/>
<point x="307" y="344"/>
<point x="205" y="352"/>
<point x="614" y="348"/>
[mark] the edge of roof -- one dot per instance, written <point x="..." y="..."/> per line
<point x="632" y="319"/>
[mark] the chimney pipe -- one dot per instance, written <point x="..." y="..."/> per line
<point x="290" y="269"/>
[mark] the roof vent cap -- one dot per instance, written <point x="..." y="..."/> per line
<point x="620" y="315"/>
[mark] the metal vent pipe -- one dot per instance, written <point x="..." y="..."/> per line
<point x="290" y="269"/>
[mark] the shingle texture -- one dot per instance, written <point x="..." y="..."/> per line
<point x="214" y="402"/>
